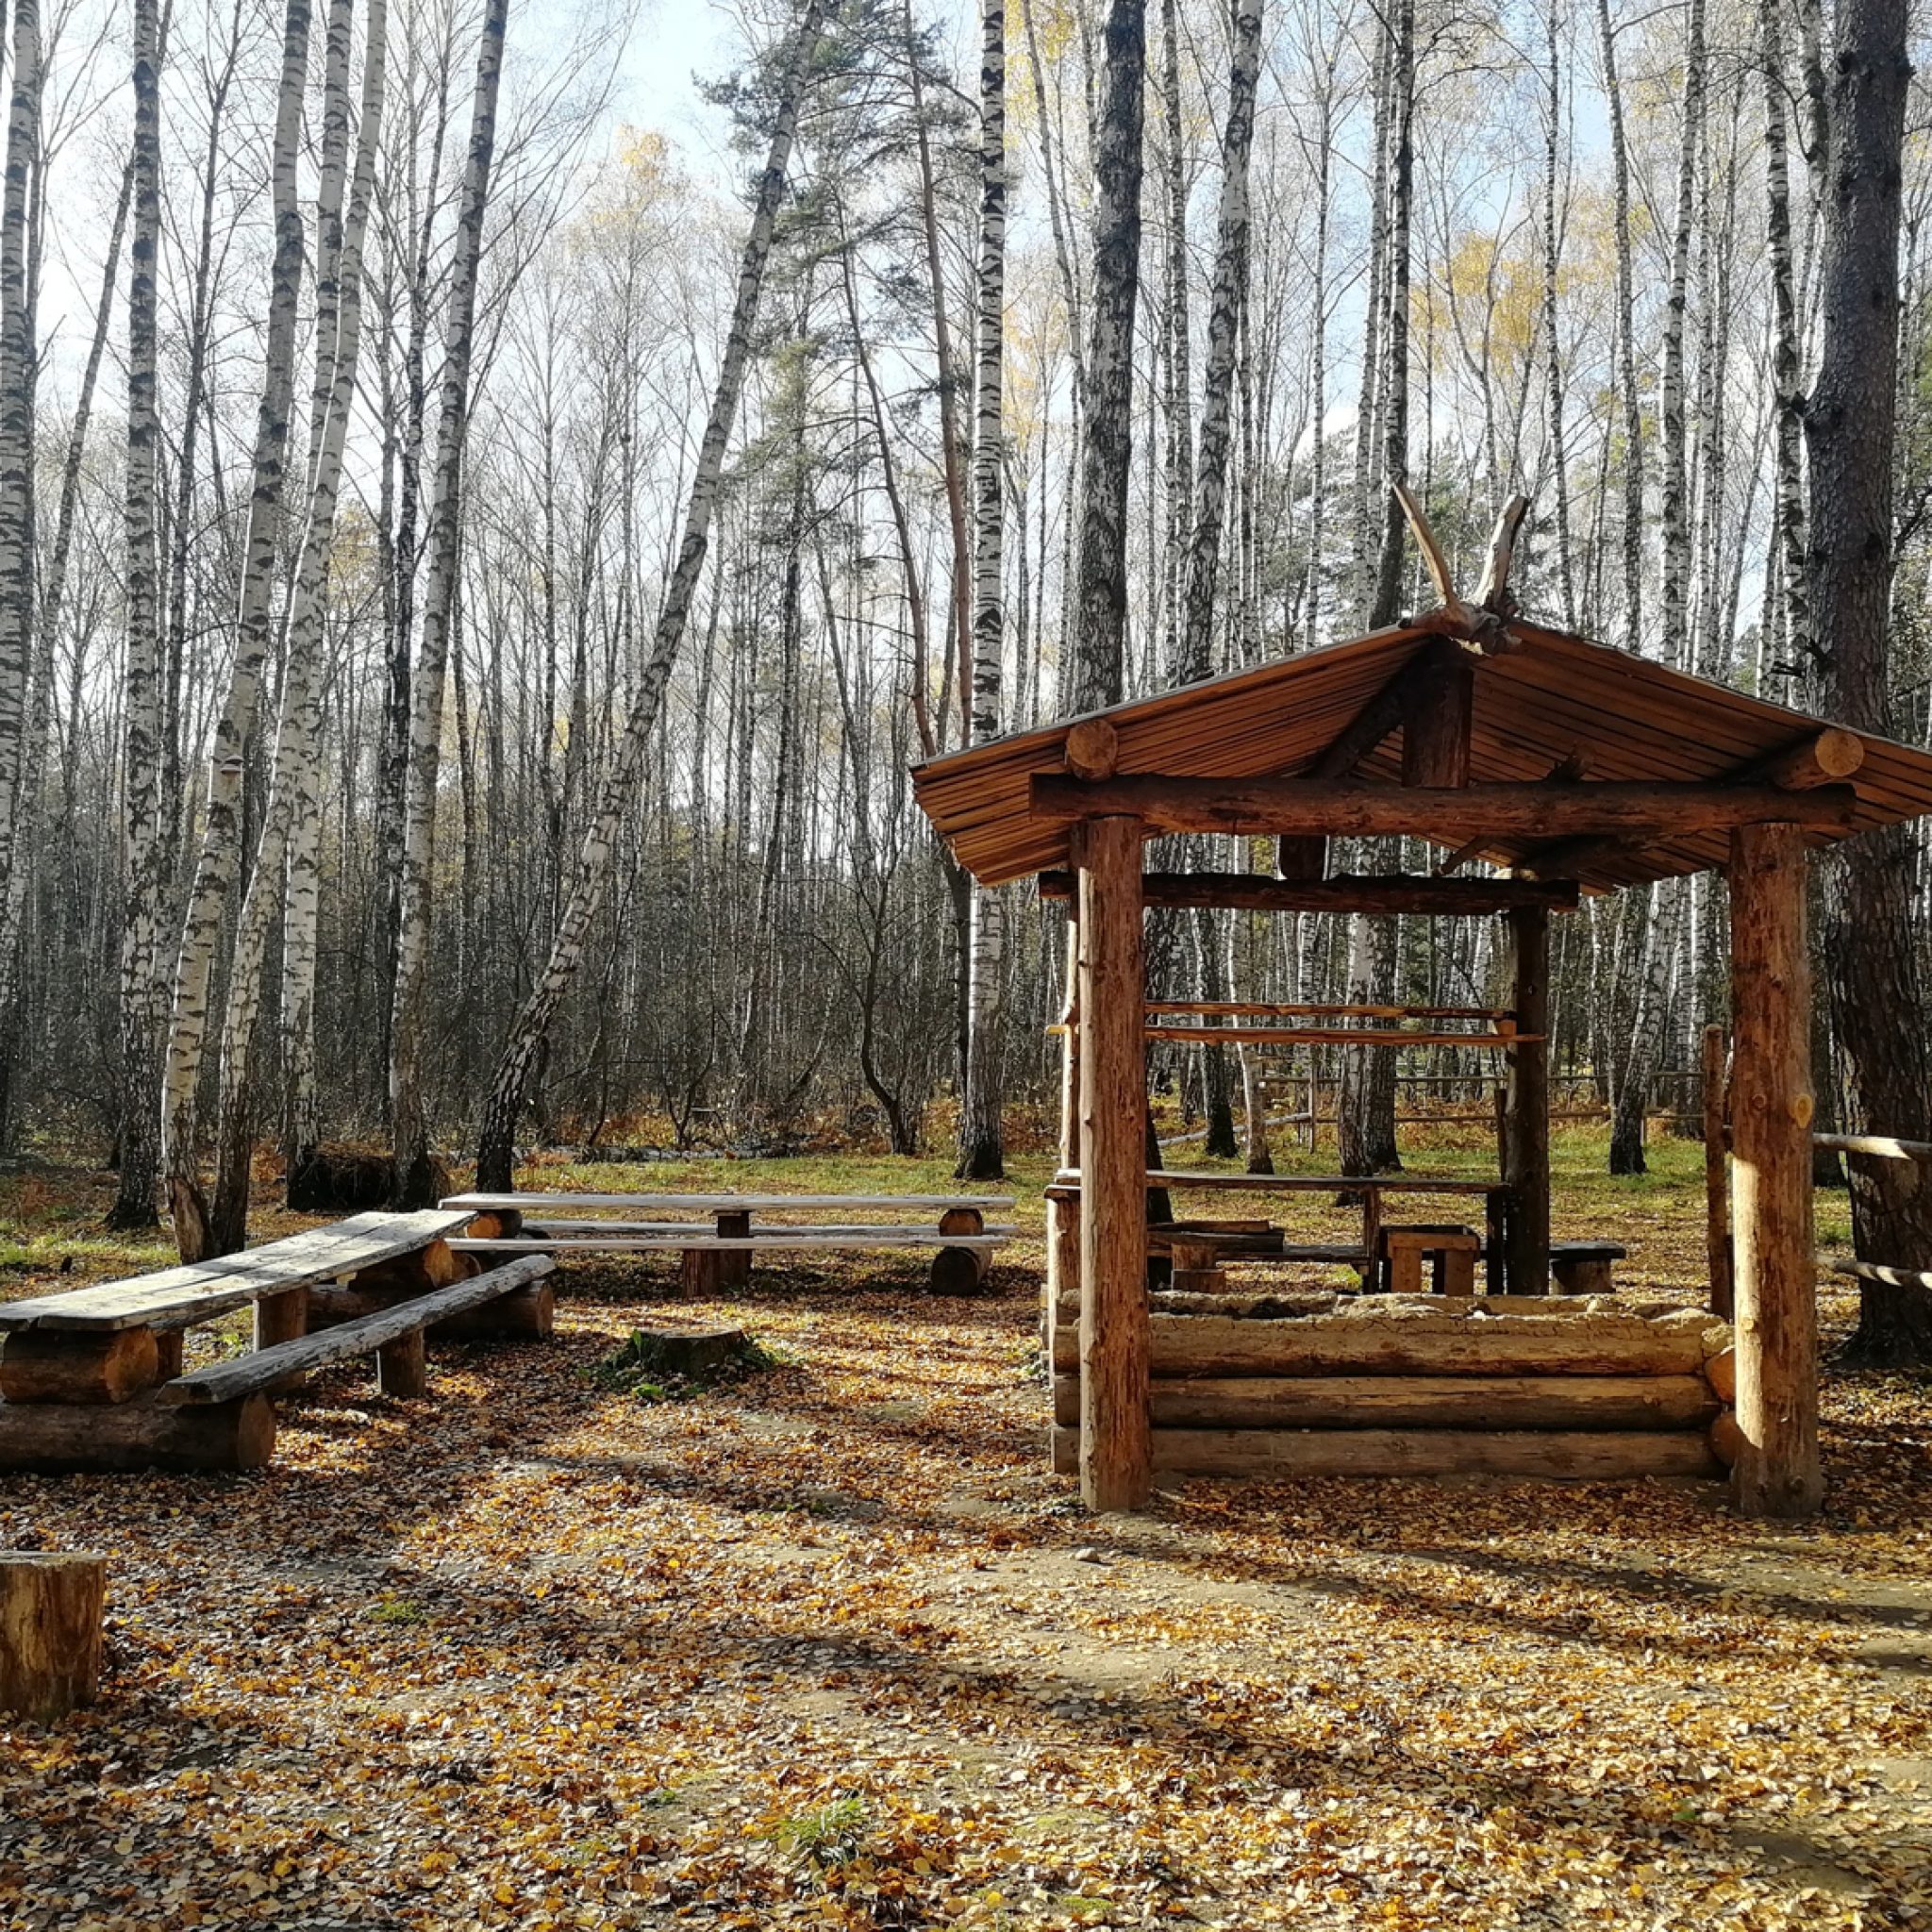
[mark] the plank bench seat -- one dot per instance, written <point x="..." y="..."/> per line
<point x="200" y="1291"/>
<point x="375" y="1334"/>
<point x="721" y="1203"/>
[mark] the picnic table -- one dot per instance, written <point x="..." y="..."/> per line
<point x="92" y="1378"/>
<point x="561" y="1224"/>
<point x="1373" y="1190"/>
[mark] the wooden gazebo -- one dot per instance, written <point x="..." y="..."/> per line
<point x="1570" y="766"/>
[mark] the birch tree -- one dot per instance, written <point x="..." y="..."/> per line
<point x="408" y="1105"/>
<point x="497" y="1131"/>
<point x="145" y="848"/>
<point x="291" y="829"/>
<point x="980" y="1148"/>
<point x="1100" y="624"/>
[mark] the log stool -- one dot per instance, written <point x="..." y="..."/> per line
<point x="1453" y="1248"/>
<point x="1584" y="1267"/>
<point x="50" y="1631"/>
<point x="1195" y="1249"/>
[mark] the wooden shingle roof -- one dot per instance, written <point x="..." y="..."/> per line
<point x="1547" y="697"/>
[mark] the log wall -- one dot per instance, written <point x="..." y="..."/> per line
<point x="1400" y="1386"/>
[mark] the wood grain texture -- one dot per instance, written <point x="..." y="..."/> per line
<point x="50" y="1603"/>
<point x="113" y="1366"/>
<point x="1777" y="1471"/>
<point x="1115" y="1471"/>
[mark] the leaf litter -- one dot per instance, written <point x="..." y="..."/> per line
<point x="829" y="1647"/>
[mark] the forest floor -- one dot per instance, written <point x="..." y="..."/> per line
<point x="832" y="1647"/>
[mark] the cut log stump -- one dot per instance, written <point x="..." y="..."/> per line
<point x="710" y="1271"/>
<point x="50" y="1631"/>
<point x="402" y="1366"/>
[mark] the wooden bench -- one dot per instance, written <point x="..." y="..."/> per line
<point x="715" y="1263"/>
<point x="1584" y="1267"/>
<point x="1450" y="1248"/>
<point x="81" y="1371"/>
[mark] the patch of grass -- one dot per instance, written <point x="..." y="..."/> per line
<point x="640" y="1369"/>
<point x="824" y="1839"/>
<point x="396" y="1610"/>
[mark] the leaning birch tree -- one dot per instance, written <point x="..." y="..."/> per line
<point x="981" y="1154"/>
<point x="496" y="1130"/>
<point x="409" y="1022"/>
<point x="220" y="844"/>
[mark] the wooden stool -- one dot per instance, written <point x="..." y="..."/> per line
<point x="1584" y="1267"/>
<point x="1454" y="1250"/>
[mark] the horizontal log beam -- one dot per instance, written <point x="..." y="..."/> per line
<point x="1345" y="893"/>
<point x="1450" y="814"/>
<point x="1335" y="1036"/>
<point x="1420" y="1402"/>
<point x="1574" y="1455"/>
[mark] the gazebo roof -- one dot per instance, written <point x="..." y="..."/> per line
<point x="1543" y="699"/>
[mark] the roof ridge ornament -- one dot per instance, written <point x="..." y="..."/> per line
<point x="1483" y="624"/>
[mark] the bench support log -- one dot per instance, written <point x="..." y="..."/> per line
<point x="55" y="1438"/>
<point x="1526" y="1108"/>
<point x="402" y="1366"/>
<point x="63" y="1365"/>
<point x="50" y="1631"/>
<point x="960" y="1271"/>
<point x="282" y="1318"/>
<point x="709" y="1272"/>
<point x="1777" y="1471"/>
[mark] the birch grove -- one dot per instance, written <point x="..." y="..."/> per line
<point x="477" y="562"/>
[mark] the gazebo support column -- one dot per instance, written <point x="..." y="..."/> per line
<point x="1776" y="1472"/>
<point x="1116" y="1448"/>
<point x="1063" y="1217"/>
<point x="1526" y="1108"/>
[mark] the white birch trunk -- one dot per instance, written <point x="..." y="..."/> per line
<point x="1101" y="622"/>
<point x="981" y="1153"/>
<point x="289" y="823"/>
<point x="147" y="846"/>
<point x="1224" y="319"/>
<point x="497" y="1130"/>
<point x="1676" y="504"/>
<point x="16" y="426"/>
<point x="408" y="1024"/>
<point x="1626" y="352"/>
<point x="219" y="858"/>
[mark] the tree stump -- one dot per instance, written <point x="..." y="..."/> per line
<point x="685" y="1351"/>
<point x="714" y="1271"/>
<point x="50" y="1631"/>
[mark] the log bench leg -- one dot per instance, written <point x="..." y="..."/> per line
<point x="1455" y="1270"/>
<point x="282" y="1317"/>
<point x="1406" y="1270"/>
<point x="960" y="1271"/>
<point x="52" y="1438"/>
<point x="50" y="1631"/>
<point x="402" y="1366"/>
<point x="710" y="1271"/>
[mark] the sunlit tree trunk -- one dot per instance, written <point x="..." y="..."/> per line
<point x="1675" y="505"/>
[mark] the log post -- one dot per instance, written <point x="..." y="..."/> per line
<point x="1116" y="1449"/>
<point x="1717" y="1178"/>
<point x="1777" y="1324"/>
<point x="1527" y="1106"/>
<point x="1063" y="1216"/>
<point x="282" y="1317"/>
<point x="402" y="1366"/>
<point x="50" y="1631"/>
